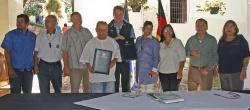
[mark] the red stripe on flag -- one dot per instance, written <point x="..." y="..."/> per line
<point x="161" y="20"/>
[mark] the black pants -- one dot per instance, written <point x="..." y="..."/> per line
<point x="122" y="68"/>
<point x="169" y="82"/>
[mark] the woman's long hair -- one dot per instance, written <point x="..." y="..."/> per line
<point x="223" y="37"/>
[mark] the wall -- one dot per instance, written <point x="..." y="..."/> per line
<point x="95" y="10"/>
<point x="9" y="9"/>
<point x="247" y="82"/>
<point x="235" y="10"/>
<point x="4" y="19"/>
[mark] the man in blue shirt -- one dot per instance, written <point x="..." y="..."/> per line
<point x="148" y="57"/>
<point x="18" y="46"/>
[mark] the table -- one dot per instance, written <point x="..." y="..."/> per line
<point x="45" y="101"/>
<point x="65" y="101"/>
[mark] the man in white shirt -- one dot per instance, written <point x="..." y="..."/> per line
<point x="48" y="55"/>
<point x="100" y="83"/>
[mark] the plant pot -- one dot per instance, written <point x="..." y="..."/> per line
<point x="136" y="8"/>
<point x="214" y="10"/>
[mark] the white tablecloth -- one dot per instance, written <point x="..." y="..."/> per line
<point x="205" y="100"/>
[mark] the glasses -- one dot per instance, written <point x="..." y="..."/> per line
<point x="167" y="30"/>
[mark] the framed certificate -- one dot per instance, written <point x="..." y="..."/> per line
<point x="102" y="60"/>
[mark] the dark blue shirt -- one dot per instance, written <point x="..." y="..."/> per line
<point x="21" y="47"/>
<point x="231" y="54"/>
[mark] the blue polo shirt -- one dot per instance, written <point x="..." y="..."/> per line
<point x="21" y="47"/>
<point x="231" y="54"/>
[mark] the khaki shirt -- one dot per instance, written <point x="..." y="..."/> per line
<point x="74" y="42"/>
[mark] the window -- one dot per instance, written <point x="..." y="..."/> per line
<point x="178" y="11"/>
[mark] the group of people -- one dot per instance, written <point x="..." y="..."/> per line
<point x="27" y="54"/>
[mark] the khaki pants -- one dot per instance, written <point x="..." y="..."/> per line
<point x="76" y="76"/>
<point x="149" y="88"/>
<point x="198" y="80"/>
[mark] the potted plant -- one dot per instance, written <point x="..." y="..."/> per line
<point x="136" y="5"/>
<point x="54" y="6"/>
<point x="213" y="6"/>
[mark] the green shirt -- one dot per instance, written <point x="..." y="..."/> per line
<point x="208" y="51"/>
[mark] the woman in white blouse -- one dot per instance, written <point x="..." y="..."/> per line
<point x="172" y="59"/>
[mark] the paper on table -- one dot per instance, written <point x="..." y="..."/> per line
<point x="193" y="101"/>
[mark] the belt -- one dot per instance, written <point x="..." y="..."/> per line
<point x="196" y="67"/>
<point x="22" y="70"/>
<point x="50" y="63"/>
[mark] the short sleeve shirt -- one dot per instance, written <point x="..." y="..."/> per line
<point x="73" y="43"/>
<point x="21" y="47"/>
<point x="231" y="54"/>
<point x="48" y="46"/>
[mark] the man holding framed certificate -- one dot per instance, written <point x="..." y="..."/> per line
<point x="100" y="56"/>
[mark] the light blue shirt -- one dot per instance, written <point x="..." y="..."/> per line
<point x="148" y="58"/>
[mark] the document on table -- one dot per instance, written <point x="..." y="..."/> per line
<point x="206" y="100"/>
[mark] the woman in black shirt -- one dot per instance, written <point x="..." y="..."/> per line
<point x="233" y="51"/>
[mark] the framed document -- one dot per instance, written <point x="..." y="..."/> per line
<point x="102" y="60"/>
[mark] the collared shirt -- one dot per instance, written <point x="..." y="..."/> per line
<point x="119" y="27"/>
<point x="148" y="58"/>
<point x="171" y="56"/>
<point x="88" y="56"/>
<point x="21" y="46"/>
<point x="74" y="42"/>
<point x="207" y="48"/>
<point x="48" y="46"/>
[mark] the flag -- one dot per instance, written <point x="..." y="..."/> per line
<point x="126" y="17"/>
<point x="131" y="63"/>
<point x="161" y="20"/>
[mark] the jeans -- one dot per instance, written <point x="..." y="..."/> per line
<point x="49" y="72"/>
<point x="23" y="82"/>
<point x="169" y="82"/>
<point x="102" y="87"/>
<point x="123" y="70"/>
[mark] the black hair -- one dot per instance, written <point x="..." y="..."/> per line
<point x="147" y="23"/>
<point x="65" y="25"/>
<point x="25" y="17"/>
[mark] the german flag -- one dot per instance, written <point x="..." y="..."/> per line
<point x="161" y="20"/>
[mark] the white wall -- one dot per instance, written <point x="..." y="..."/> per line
<point x="236" y="10"/>
<point x="9" y="10"/>
<point x="95" y="10"/>
<point x="247" y="82"/>
<point x="15" y="7"/>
